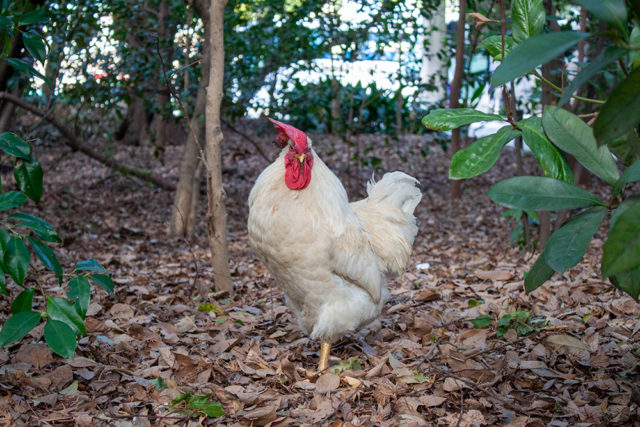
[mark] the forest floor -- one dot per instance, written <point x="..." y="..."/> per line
<point x="565" y="355"/>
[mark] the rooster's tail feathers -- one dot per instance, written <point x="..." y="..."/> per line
<point x="396" y="188"/>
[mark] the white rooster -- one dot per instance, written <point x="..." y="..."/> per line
<point x="330" y="258"/>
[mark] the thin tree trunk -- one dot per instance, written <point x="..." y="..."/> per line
<point x="216" y="213"/>
<point x="164" y="46"/>
<point x="456" y="86"/>
<point x="184" y="207"/>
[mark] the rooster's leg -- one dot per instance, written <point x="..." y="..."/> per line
<point x="325" y="347"/>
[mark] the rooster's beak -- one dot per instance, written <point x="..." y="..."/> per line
<point x="300" y="157"/>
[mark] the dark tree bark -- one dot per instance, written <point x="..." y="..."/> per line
<point x="456" y="85"/>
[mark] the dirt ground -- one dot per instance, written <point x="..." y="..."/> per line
<point x="565" y="355"/>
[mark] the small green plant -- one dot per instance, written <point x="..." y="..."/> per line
<point x="520" y="321"/>
<point x="196" y="406"/>
<point x="64" y="317"/>
<point x="612" y="130"/>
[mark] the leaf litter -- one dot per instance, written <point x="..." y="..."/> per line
<point x="460" y="343"/>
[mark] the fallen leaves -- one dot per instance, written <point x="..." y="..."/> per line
<point x="422" y="363"/>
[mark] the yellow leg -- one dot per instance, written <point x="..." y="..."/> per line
<point x="325" y="347"/>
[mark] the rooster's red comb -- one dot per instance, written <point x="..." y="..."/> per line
<point x="296" y="135"/>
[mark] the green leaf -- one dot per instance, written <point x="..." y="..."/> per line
<point x="47" y="257"/>
<point x="26" y="68"/>
<point x="634" y="41"/>
<point x="89" y="265"/>
<point x="28" y="175"/>
<point x="534" y="51"/>
<point x="15" y="146"/>
<point x="612" y="12"/>
<point x="540" y="272"/>
<point x="607" y="56"/>
<point x="3" y="282"/>
<point x="23" y="302"/>
<point x="621" y="112"/>
<point x="199" y="405"/>
<point x="159" y="383"/>
<point x="6" y="24"/>
<point x="631" y="174"/>
<point x="104" y="281"/>
<point x="528" y="18"/>
<point x="11" y="199"/>
<point x="626" y="148"/>
<point x="569" y="133"/>
<point x="569" y="243"/>
<point x="17" y="326"/>
<point x="64" y="311"/>
<point x="208" y="307"/>
<point x="539" y="193"/>
<point x="38" y="16"/>
<point x="478" y="157"/>
<point x="60" y="338"/>
<point x="71" y="387"/>
<point x="493" y="45"/>
<point x="628" y="282"/>
<point x="42" y="228"/>
<point x="80" y="292"/>
<point x="34" y="44"/>
<point x="551" y="161"/>
<point x="16" y="259"/>
<point x="621" y="252"/>
<point x="482" y="321"/>
<point x="451" y="118"/>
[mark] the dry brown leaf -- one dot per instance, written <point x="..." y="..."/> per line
<point x="500" y="275"/>
<point x="36" y="355"/>
<point x="327" y="382"/>
<point x="574" y="345"/>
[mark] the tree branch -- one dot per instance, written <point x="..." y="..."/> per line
<point x="79" y="145"/>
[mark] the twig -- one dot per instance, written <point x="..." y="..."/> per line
<point x="248" y="138"/>
<point x="427" y="357"/>
<point x="335" y="411"/>
<point x="461" y="406"/>
<point x="559" y="89"/>
<point x="623" y="67"/>
<point x="78" y="145"/>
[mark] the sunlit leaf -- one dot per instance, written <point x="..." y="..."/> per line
<point x="528" y="18"/>
<point x="532" y="52"/>
<point x="451" y="118"/>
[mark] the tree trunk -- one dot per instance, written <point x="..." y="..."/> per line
<point x="165" y="47"/>
<point x="434" y="64"/>
<point x="216" y="213"/>
<point x="548" y="98"/>
<point x="456" y="86"/>
<point x="185" y="201"/>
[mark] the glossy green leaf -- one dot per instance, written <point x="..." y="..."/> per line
<point x="17" y="326"/>
<point x="27" y="69"/>
<point x="621" y="111"/>
<point x="89" y="265"/>
<point x="626" y="148"/>
<point x="551" y="161"/>
<point x="38" y="16"/>
<point x="60" y="338"/>
<point x="4" y="239"/>
<point x="16" y="259"/>
<point x="64" y="311"/>
<point x="534" y="51"/>
<point x="607" y="56"/>
<point x="80" y="292"/>
<point x="3" y="282"/>
<point x="478" y="157"/>
<point x="569" y="133"/>
<point x="631" y="174"/>
<point x="569" y="243"/>
<point x="493" y="45"/>
<point x="451" y="118"/>
<point x="28" y="175"/>
<point x="528" y="18"/>
<point x="613" y="12"/>
<point x="23" y="302"/>
<point x="621" y="252"/>
<point x="42" y="228"/>
<point x="15" y="146"/>
<point x="47" y="257"/>
<point x="11" y="199"/>
<point x="35" y="45"/>
<point x="537" y="193"/>
<point x="104" y="282"/>
<point x="634" y="41"/>
<point x="540" y="272"/>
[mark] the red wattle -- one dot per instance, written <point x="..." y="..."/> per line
<point x="297" y="177"/>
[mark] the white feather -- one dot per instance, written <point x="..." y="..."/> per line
<point x="332" y="258"/>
